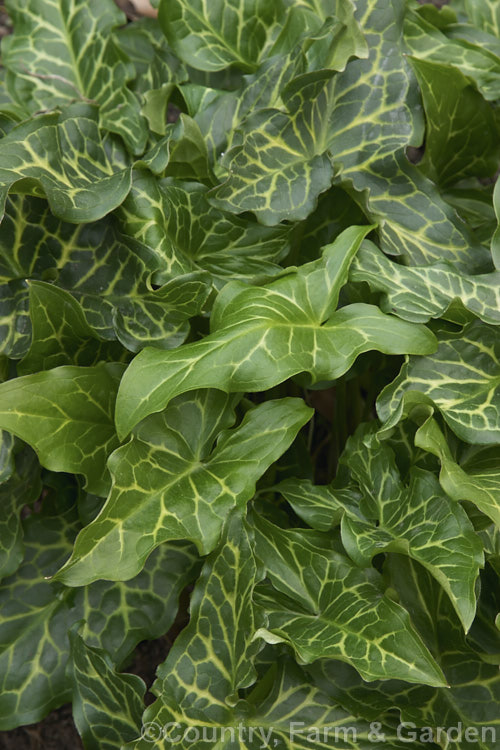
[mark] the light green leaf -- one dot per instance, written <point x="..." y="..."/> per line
<point x="36" y="614"/>
<point x="22" y="488"/>
<point x="264" y="335"/>
<point x="461" y="379"/>
<point x="417" y="520"/>
<point x="169" y="482"/>
<point x="328" y="608"/>
<point x="475" y="479"/>
<point x="339" y="38"/>
<point x="157" y="70"/>
<point x="215" y="36"/>
<point x="72" y="56"/>
<point x="66" y="415"/>
<point x="60" y="333"/>
<point x="107" y="706"/>
<point x="419" y="293"/>
<point x="187" y="151"/>
<point x="462" y="134"/>
<point x="320" y="506"/>
<point x="62" y="157"/>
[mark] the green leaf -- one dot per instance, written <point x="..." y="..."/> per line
<point x="469" y="144"/>
<point x="279" y="165"/>
<point x="476" y="479"/>
<point x="177" y="222"/>
<point x="22" y="488"/>
<point x="417" y="520"/>
<point x="216" y="649"/>
<point x="339" y="38"/>
<point x="107" y="706"/>
<point x="461" y="379"/>
<point x="62" y="157"/>
<point x="157" y="70"/>
<point x="281" y="711"/>
<point x="169" y="482"/>
<point x="426" y="42"/>
<point x="484" y="14"/>
<point x="72" y="56"/>
<point x="329" y="608"/>
<point x="109" y="275"/>
<point x="320" y="506"/>
<point x="60" y="333"/>
<point x="15" y="328"/>
<point x="219" y="113"/>
<point x="263" y="335"/>
<point x="212" y="37"/>
<point x="419" y="293"/>
<point x="36" y="615"/>
<point x="66" y="415"/>
<point x="472" y="697"/>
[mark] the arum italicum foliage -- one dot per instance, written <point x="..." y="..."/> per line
<point x="251" y="352"/>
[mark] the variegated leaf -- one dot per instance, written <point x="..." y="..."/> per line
<point x="170" y="482"/>
<point x="263" y="335"/>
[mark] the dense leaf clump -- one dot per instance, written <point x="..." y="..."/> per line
<point x="250" y="350"/>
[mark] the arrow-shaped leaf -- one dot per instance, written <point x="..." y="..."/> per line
<point x="418" y="520"/>
<point x="66" y="415"/>
<point x="264" y="335"/>
<point x="170" y="483"/>
<point x="461" y="379"/>
<point x="419" y="293"/>
<point x="107" y="706"/>
<point x="328" y="608"/>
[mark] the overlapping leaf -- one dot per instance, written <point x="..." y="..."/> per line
<point x="419" y="293"/>
<point x="200" y="683"/>
<point x="461" y="379"/>
<point x="72" y="56"/>
<point x="427" y="42"/>
<point x="474" y="692"/>
<point x="101" y="694"/>
<point x="60" y="333"/>
<point x="62" y="156"/>
<point x="37" y="613"/>
<point x="469" y="145"/>
<point x="169" y="482"/>
<point x="320" y="506"/>
<point x="108" y="274"/>
<point x="186" y="233"/>
<point x="418" y="520"/>
<point x="22" y="488"/>
<point x="475" y="479"/>
<point x="329" y="608"/>
<point x="216" y="35"/>
<point x="263" y="335"/>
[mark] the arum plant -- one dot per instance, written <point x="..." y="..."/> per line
<point x="249" y="272"/>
